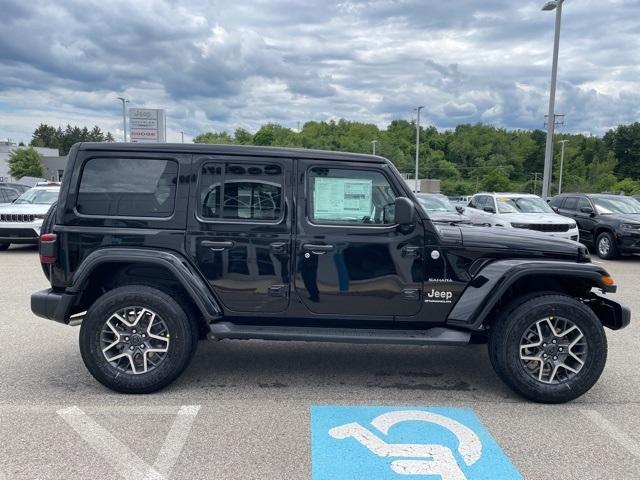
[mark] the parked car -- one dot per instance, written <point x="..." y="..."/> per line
<point x="636" y="197"/>
<point x="152" y="247"/>
<point x="440" y="210"/>
<point x="521" y="211"/>
<point x="8" y="194"/>
<point x="21" y="220"/>
<point x="608" y="223"/>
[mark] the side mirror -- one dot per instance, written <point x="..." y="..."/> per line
<point x="555" y="209"/>
<point x="460" y="209"/>
<point x="489" y="209"/>
<point x="588" y="210"/>
<point x="405" y="212"/>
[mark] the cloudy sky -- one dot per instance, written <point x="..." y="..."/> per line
<point x="227" y="64"/>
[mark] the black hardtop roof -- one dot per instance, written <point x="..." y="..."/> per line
<point x="240" y="150"/>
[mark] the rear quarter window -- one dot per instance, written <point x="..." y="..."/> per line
<point x="128" y="187"/>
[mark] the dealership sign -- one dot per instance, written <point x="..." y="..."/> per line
<point x="147" y="125"/>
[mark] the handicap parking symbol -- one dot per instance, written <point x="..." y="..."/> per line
<point x="367" y="443"/>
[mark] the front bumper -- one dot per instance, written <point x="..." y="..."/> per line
<point x="20" y="232"/>
<point x="613" y="314"/>
<point x="628" y="242"/>
<point x="52" y="305"/>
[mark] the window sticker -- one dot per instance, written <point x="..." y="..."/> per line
<point x="342" y="198"/>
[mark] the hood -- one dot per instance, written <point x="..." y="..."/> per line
<point x="624" y="217"/>
<point x="507" y="242"/>
<point x="547" y="218"/>
<point x="25" y="208"/>
<point x="448" y="217"/>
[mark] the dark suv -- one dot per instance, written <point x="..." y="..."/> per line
<point x="608" y="223"/>
<point x="153" y="247"/>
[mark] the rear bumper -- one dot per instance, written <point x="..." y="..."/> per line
<point x="52" y="305"/>
<point x="613" y="314"/>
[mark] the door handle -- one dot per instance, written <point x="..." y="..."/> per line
<point x="217" y="246"/>
<point x="317" y="249"/>
<point x="279" y="247"/>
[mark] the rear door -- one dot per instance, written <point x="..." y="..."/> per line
<point x="351" y="259"/>
<point x="586" y="221"/>
<point x="240" y="230"/>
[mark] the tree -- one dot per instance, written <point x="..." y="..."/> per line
<point x="222" y="138"/>
<point x="26" y="162"/>
<point x="51" y="137"/>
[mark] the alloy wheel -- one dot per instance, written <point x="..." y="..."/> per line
<point x="604" y="246"/>
<point x="553" y="350"/>
<point x="135" y="340"/>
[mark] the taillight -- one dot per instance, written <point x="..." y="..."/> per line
<point x="48" y="248"/>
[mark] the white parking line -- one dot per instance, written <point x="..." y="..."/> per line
<point x="129" y="465"/>
<point x="613" y="431"/>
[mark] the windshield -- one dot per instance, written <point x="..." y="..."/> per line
<point x="436" y="204"/>
<point x="523" y="205"/>
<point x="34" y="196"/>
<point x="608" y="206"/>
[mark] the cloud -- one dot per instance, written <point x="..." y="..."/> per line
<point x="222" y="65"/>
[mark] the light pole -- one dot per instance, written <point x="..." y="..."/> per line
<point x="373" y="142"/>
<point x="124" y="117"/>
<point x="548" y="153"/>
<point x="417" y="144"/>
<point x="182" y="136"/>
<point x="561" y="165"/>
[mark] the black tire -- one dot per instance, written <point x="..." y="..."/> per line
<point x="506" y="335"/>
<point x="182" y="332"/>
<point x="606" y="246"/>
<point x="47" y="227"/>
<point x="4" y="246"/>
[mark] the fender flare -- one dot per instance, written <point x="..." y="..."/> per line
<point x="487" y="287"/>
<point x="184" y="272"/>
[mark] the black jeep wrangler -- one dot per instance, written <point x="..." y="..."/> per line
<point x="153" y="247"/>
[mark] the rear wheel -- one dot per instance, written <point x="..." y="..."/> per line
<point x="606" y="246"/>
<point x="550" y="349"/>
<point x="136" y="339"/>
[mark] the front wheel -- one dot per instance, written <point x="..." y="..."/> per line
<point x="549" y="349"/>
<point x="136" y="339"/>
<point x="606" y="246"/>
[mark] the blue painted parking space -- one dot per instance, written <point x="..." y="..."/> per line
<point x="365" y="443"/>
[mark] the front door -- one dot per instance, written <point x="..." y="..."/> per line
<point x="240" y="233"/>
<point x="351" y="259"/>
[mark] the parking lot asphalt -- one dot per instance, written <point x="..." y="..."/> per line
<point x="241" y="410"/>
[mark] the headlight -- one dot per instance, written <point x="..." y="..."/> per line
<point x="519" y="225"/>
<point x="630" y="226"/>
<point x="573" y="225"/>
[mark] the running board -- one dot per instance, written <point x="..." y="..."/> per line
<point x="432" y="336"/>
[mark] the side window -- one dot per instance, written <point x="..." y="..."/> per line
<point x="583" y="203"/>
<point x="571" y="203"/>
<point x="11" y="195"/>
<point x="3" y="196"/>
<point x="556" y="202"/>
<point x="345" y="196"/>
<point x="481" y="201"/>
<point x="476" y="201"/>
<point x="241" y="191"/>
<point x="128" y="187"/>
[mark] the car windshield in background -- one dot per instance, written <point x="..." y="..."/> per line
<point x="436" y="204"/>
<point x="46" y="197"/>
<point x="609" y="206"/>
<point x="523" y="205"/>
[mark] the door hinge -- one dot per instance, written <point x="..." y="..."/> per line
<point x="411" y="294"/>
<point x="278" y="290"/>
